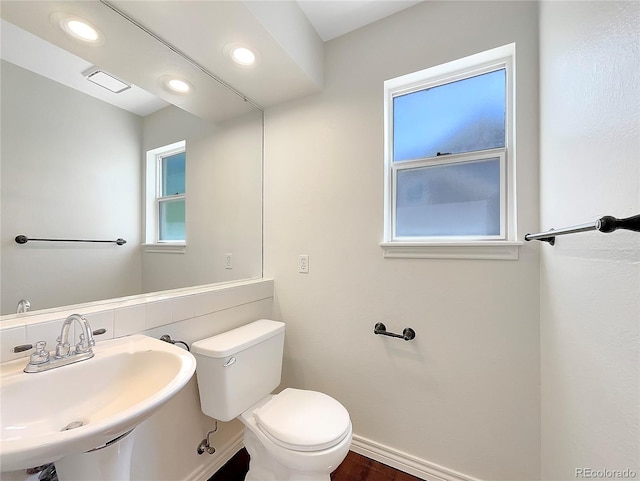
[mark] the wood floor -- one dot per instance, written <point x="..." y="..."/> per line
<point x="354" y="468"/>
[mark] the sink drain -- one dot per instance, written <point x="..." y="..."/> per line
<point x="73" y="425"/>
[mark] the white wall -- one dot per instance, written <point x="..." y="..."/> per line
<point x="223" y="200"/>
<point x="464" y="394"/>
<point x="590" y="283"/>
<point x="70" y="169"/>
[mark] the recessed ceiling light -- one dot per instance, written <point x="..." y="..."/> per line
<point x="77" y="28"/>
<point x="176" y="85"/>
<point x="241" y="54"/>
<point x="83" y="30"/>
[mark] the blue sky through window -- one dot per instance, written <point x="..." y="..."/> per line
<point x="173" y="174"/>
<point x="462" y="116"/>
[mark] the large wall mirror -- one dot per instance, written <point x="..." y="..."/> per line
<point x="74" y="162"/>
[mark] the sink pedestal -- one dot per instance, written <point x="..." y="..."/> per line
<point x="111" y="462"/>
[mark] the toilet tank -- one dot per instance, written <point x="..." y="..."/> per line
<point x="237" y="368"/>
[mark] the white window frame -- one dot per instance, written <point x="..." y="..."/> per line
<point x="153" y="189"/>
<point x="503" y="246"/>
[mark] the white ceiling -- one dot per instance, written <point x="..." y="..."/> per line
<point x="32" y="53"/>
<point x="290" y="51"/>
<point x="333" y="18"/>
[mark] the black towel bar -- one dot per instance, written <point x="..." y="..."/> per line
<point x="605" y="224"/>
<point x="23" y="239"/>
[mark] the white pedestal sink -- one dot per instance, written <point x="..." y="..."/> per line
<point x="64" y="414"/>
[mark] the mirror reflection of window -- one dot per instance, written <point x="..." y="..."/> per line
<point x="171" y="199"/>
<point x="166" y="194"/>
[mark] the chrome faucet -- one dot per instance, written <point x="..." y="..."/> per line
<point x="63" y="348"/>
<point x="43" y="360"/>
<point x="23" y="306"/>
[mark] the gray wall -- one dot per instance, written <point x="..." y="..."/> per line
<point x="223" y="203"/>
<point x="465" y="394"/>
<point x="70" y="169"/>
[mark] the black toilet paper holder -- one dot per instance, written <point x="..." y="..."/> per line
<point x="407" y="334"/>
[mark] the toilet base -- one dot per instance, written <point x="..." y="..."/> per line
<point x="262" y="466"/>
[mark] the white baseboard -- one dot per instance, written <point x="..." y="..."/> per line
<point x="221" y="456"/>
<point x="366" y="447"/>
<point x="405" y="462"/>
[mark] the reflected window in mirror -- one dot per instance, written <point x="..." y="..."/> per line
<point x="171" y="197"/>
<point x="165" y="194"/>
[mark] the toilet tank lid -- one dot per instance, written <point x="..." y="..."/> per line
<point x="238" y="339"/>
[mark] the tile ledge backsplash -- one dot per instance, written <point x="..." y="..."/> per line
<point x="127" y="316"/>
<point x="46" y="315"/>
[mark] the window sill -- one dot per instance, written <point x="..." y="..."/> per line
<point x="492" y="250"/>
<point x="164" y="248"/>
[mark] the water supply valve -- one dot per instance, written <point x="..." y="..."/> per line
<point x="205" y="444"/>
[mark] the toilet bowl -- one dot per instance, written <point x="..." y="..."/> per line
<point x="296" y="435"/>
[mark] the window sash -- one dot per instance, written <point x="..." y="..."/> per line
<point x="453" y="79"/>
<point x="452" y="159"/>
<point x="160" y="174"/>
<point x="159" y="198"/>
<point x="166" y="200"/>
<point x="164" y="176"/>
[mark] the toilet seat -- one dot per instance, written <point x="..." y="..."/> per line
<point x="303" y="420"/>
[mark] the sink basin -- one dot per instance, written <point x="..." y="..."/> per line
<point x="97" y="400"/>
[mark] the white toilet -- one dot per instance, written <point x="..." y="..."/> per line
<point x="292" y="436"/>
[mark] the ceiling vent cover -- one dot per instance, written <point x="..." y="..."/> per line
<point x="105" y="80"/>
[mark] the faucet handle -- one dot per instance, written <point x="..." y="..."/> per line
<point x="39" y="346"/>
<point x="62" y="350"/>
<point x="23" y="347"/>
<point x="84" y="344"/>
<point x="41" y="355"/>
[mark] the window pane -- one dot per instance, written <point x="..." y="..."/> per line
<point x="463" y="116"/>
<point x="173" y="174"/>
<point x="172" y="223"/>
<point x="449" y="200"/>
